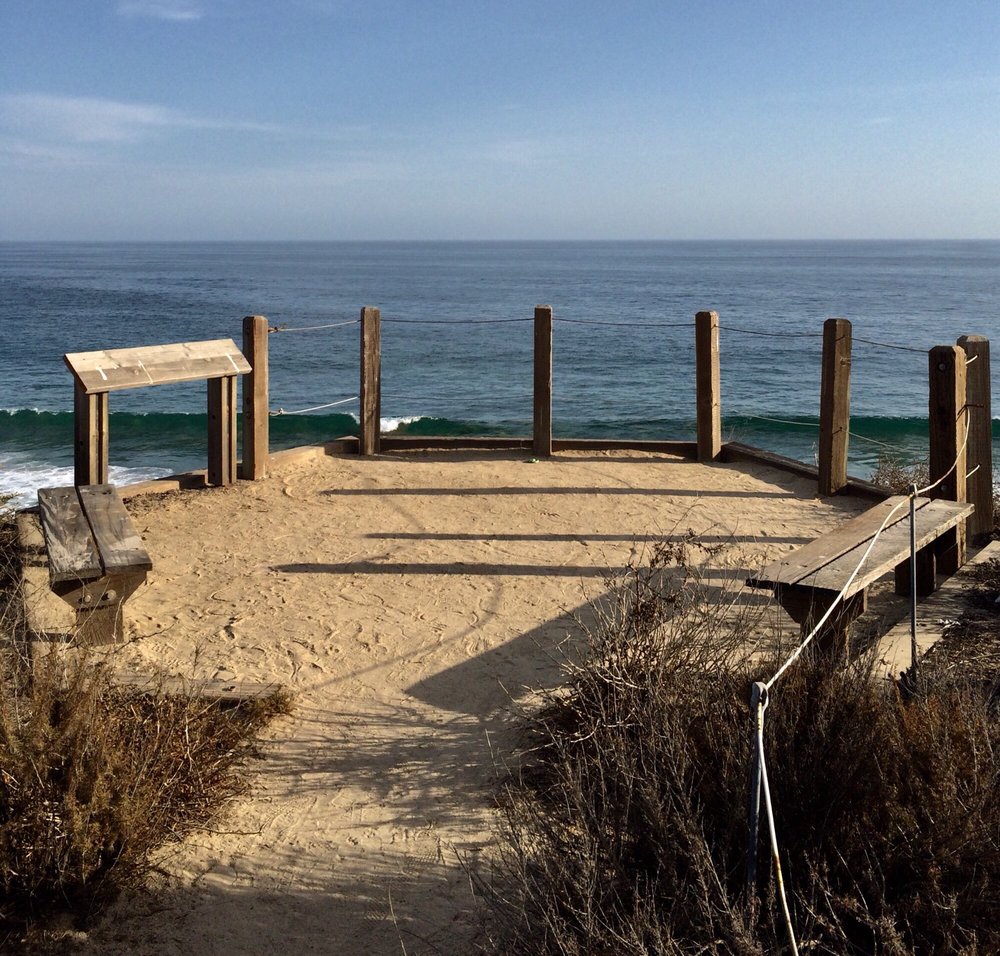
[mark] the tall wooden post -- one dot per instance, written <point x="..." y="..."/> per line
<point x="90" y="425"/>
<point x="980" y="449"/>
<point x="707" y="384"/>
<point x="256" y="421"/>
<point x="371" y="380"/>
<point x="948" y="426"/>
<point x="834" y="406"/>
<point x="222" y="430"/>
<point x="542" y="431"/>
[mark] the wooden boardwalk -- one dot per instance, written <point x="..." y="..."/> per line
<point x="934" y="613"/>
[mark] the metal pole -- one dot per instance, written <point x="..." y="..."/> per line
<point x="758" y="693"/>
<point x="913" y="584"/>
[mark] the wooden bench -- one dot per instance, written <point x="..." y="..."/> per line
<point x="97" y="373"/>
<point x="96" y="558"/>
<point x="808" y="581"/>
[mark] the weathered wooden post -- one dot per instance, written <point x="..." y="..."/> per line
<point x="256" y="420"/>
<point x="834" y="406"/>
<point x="90" y="426"/>
<point x="222" y="430"/>
<point x="980" y="450"/>
<point x="707" y="385"/>
<point x="948" y="421"/>
<point x="371" y="380"/>
<point x="542" y="431"/>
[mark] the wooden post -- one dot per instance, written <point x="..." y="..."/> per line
<point x="222" y="430"/>
<point x="707" y="381"/>
<point x="371" y="380"/>
<point x="980" y="449"/>
<point x="256" y="421"/>
<point x="834" y="406"/>
<point x="542" y="430"/>
<point x="948" y="426"/>
<point x="90" y="424"/>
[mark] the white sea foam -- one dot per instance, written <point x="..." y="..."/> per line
<point x="22" y="478"/>
<point x="391" y="424"/>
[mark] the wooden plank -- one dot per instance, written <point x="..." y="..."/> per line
<point x="90" y="442"/>
<point x="452" y="443"/>
<point x="683" y="449"/>
<point x="834" y="406"/>
<point x="218" y="691"/>
<point x="979" y="489"/>
<point x="734" y="451"/>
<point x="892" y="547"/>
<point x="707" y="387"/>
<point x="222" y="430"/>
<point x="256" y="415"/>
<point x="72" y="553"/>
<point x="118" y="544"/>
<point x="948" y="423"/>
<point x="110" y="370"/>
<point x="371" y="380"/>
<point x="945" y="605"/>
<point x="806" y="561"/>
<point x="542" y="418"/>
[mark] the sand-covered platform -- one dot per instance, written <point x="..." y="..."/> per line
<point x="405" y="601"/>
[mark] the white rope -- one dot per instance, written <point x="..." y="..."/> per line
<point x="314" y="408"/>
<point x="780" y="421"/>
<point x="833" y="605"/>
<point x="874" y="441"/>
<point x="766" y="787"/>
<point x="961" y="451"/>
<point x="311" y="328"/>
<point x="762" y="703"/>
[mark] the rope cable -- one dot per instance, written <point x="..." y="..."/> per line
<point x="313" y="408"/>
<point x="887" y="345"/>
<point x="768" y="805"/>
<point x="311" y="328"/>
<point x="624" y="325"/>
<point x="399" y="321"/>
<point x="780" y="421"/>
<point x="780" y="335"/>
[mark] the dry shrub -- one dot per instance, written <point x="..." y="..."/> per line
<point x="899" y="475"/>
<point x="95" y="778"/>
<point x="625" y="823"/>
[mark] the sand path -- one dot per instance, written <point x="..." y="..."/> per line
<point x="404" y="601"/>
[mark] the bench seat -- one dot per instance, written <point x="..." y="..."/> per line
<point x="808" y="581"/>
<point x="96" y="558"/>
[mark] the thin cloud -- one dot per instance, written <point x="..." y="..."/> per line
<point x="90" y="120"/>
<point x="174" y="11"/>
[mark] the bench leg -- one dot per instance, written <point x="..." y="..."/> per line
<point x="98" y="605"/>
<point x="807" y="605"/>
<point x="926" y="574"/>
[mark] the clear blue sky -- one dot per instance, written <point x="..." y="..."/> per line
<point x="353" y="119"/>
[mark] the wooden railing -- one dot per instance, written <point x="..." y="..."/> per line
<point x="959" y="407"/>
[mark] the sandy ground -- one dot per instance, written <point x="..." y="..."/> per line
<point x="405" y="601"/>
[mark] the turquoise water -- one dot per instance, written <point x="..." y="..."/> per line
<point x="454" y="363"/>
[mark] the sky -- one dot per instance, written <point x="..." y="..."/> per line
<point x="382" y="119"/>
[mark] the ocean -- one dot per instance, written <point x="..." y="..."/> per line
<point x="457" y="338"/>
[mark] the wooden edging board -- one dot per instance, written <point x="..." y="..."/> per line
<point x="349" y="445"/>
<point x="735" y="451"/>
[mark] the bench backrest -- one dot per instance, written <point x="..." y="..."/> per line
<point x="114" y="369"/>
